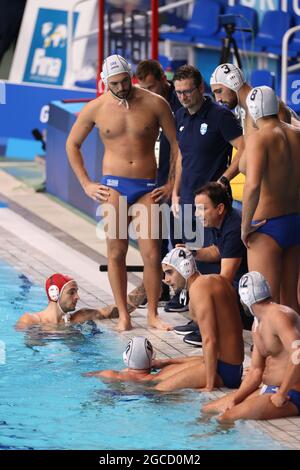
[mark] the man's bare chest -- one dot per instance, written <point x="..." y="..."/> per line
<point x="127" y="123"/>
<point x="267" y="343"/>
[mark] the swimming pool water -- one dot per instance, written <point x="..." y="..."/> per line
<point x="45" y="402"/>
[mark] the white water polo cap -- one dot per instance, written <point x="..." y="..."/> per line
<point x="182" y="260"/>
<point x="262" y="101"/>
<point x="228" y="75"/>
<point x="138" y="353"/>
<point x="113" y="65"/>
<point x="253" y="288"/>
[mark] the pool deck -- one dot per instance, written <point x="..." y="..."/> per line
<point x="40" y="236"/>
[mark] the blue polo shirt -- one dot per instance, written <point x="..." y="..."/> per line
<point x="204" y="140"/>
<point x="164" y="150"/>
<point x="228" y="240"/>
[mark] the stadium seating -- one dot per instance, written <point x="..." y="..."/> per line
<point x="272" y="29"/>
<point x="204" y="23"/>
<point x="262" y="77"/>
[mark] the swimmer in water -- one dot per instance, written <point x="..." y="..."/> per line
<point x="214" y="305"/>
<point x="138" y="357"/>
<point x="62" y="293"/>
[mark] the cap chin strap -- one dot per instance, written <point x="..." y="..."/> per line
<point x="183" y="293"/>
<point x="124" y="102"/>
<point x="66" y="318"/>
<point x="182" y="296"/>
<point x="65" y="315"/>
<point x="256" y="320"/>
<point x="256" y="323"/>
<point x="121" y="100"/>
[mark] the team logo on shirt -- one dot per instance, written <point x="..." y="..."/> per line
<point x="203" y="128"/>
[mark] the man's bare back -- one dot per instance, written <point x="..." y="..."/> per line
<point x="213" y="301"/>
<point x="277" y="144"/>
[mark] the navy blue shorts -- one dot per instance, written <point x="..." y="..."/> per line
<point x="231" y="374"/>
<point x="285" y="230"/>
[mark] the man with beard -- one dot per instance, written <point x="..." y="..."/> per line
<point x="128" y="119"/>
<point x="230" y="88"/>
<point x="62" y="293"/>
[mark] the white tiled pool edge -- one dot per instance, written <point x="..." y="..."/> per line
<point x="37" y="254"/>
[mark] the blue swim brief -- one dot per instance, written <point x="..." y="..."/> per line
<point x="285" y="230"/>
<point x="294" y="395"/>
<point x="132" y="188"/>
<point x="231" y="374"/>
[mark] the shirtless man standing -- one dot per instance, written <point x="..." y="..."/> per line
<point x="271" y="202"/>
<point x="275" y="360"/>
<point x="62" y="293"/>
<point x="230" y="88"/>
<point x="213" y="304"/>
<point x="128" y="119"/>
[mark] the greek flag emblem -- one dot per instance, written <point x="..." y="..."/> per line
<point x="203" y="128"/>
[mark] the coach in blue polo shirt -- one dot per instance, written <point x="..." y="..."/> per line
<point x="214" y="207"/>
<point x="227" y="250"/>
<point x="206" y="133"/>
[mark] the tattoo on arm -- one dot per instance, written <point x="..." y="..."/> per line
<point x="134" y="299"/>
<point x="136" y="296"/>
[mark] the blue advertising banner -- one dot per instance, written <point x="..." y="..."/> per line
<point x="27" y="108"/>
<point x="46" y="62"/>
<point x="2" y="93"/>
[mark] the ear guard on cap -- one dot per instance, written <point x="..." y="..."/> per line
<point x="234" y="80"/>
<point x="53" y="293"/>
<point x="228" y="75"/>
<point x="253" y="288"/>
<point x="55" y="284"/>
<point x="182" y="260"/>
<point x="138" y="353"/>
<point x="262" y="101"/>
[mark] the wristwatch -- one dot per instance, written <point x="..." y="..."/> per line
<point x="224" y="181"/>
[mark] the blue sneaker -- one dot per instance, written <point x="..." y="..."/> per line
<point x="194" y="339"/>
<point x="186" y="329"/>
<point x="178" y="303"/>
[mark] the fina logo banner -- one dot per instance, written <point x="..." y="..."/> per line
<point x="48" y="52"/>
